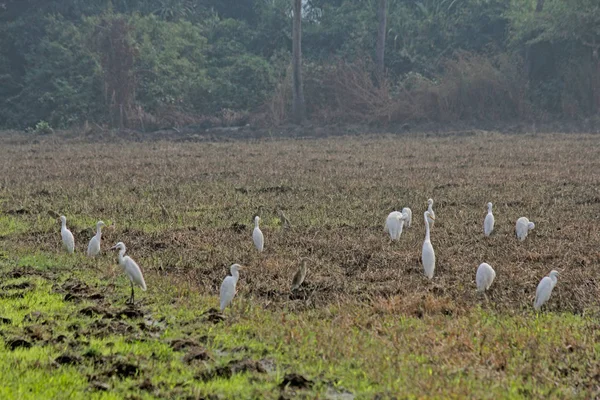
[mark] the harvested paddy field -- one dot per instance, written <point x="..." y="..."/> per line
<point x="365" y="323"/>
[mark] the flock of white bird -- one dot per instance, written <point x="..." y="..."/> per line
<point x="394" y="225"/>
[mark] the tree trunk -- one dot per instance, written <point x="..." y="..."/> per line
<point x="298" y="105"/>
<point x="380" y="54"/>
<point x="529" y="57"/>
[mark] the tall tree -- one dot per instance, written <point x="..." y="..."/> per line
<point x="298" y="104"/>
<point x="380" y="53"/>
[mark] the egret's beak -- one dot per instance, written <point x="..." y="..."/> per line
<point x="114" y="247"/>
<point x="432" y="217"/>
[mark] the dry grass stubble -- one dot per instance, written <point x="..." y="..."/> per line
<point x="185" y="212"/>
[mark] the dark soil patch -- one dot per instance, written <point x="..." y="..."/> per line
<point x="94" y="310"/>
<point x="18" y="343"/>
<point x="213" y="315"/>
<point x="5" y="321"/>
<point x="122" y="369"/>
<point x="182" y="344"/>
<point x="234" y="367"/>
<point x="296" y="381"/>
<point x="18" y="286"/>
<point x="196" y="354"/>
<point x="67" y="359"/>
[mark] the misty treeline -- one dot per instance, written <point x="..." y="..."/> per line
<point x="148" y="64"/>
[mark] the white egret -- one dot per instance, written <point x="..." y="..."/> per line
<point x="67" y="236"/>
<point x="299" y="276"/>
<point x="408" y="218"/>
<point x="523" y="227"/>
<point x="132" y="270"/>
<point x="94" y="245"/>
<point x="488" y="222"/>
<point x="228" y="286"/>
<point x="394" y="224"/>
<point x="431" y="218"/>
<point x="428" y="256"/>
<point x="544" y="289"/>
<point x="484" y="277"/>
<point x="257" y="235"/>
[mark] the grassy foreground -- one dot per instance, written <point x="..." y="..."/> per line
<point x="365" y="325"/>
<point x="66" y="334"/>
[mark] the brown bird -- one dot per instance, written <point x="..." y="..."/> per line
<point x="299" y="276"/>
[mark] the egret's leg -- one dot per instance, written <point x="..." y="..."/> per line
<point x="131" y="299"/>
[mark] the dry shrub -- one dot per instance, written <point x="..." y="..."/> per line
<point x="470" y="87"/>
<point x="276" y="109"/>
<point x="476" y="87"/>
<point x="347" y="92"/>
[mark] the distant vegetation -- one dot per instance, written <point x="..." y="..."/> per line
<point x="147" y="64"/>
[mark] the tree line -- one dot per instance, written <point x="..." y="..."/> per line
<point x="148" y="64"/>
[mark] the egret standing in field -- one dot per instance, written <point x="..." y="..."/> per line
<point x="394" y="224"/>
<point x="408" y="212"/>
<point x="94" y="245"/>
<point x="544" y="289"/>
<point x="523" y="227"/>
<point x="67" y="237"/>
<point x="132" y="270"/>
<point x="484" y="277"/>
<point x="299" y="276"/>
<point x="431" y="218"/>
<point x="488" y="222"/>
<point x="428" y="255"/>
<point x="228" y="286"/>
<point x="257" y="235"/>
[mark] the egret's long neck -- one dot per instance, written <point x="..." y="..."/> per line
<point x="427" y="238"/>
<point x="430" y="208"/>
<point x="63" y="224"/>
<point x="256" y="223"/>
<point x="99" y="230"/>
<point x="489" y="209"/>
<point x="121" y="255"/>
<point x="236" y="275"/>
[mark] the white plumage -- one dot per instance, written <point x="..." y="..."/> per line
<point x="544" y="289"/>
<point x="257" y="235"/>
<point x="94" y="245"/>
<point x="428" y="255"/>
<point x="132" y="270"/>
<point x="431" y="218"/>
<point x="484" y="277"/>
<point x="228" y="286"/>
<point x="523" y="227"/>
<point x="408" y="212"/>
<point x="394" y="224"/>
<point x="488" y="222"/>
<point x="67" y="237"/>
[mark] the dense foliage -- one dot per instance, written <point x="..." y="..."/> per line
<point x="153" y="63"/>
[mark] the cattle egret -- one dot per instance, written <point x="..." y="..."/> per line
<point x="67" y="236"/>
<point x="523" y="227"/>
<point x="132" y="270"/>
<point x="544" y="289"/>
<point x="94" y="245"/>
<point x="488" y="222"/>
<point x="408" y="218"/>
<point x="257" y="235"/>
<point x="428" y="256"/>
<point x="484" y="277"/>
<point x="299" y="276"/>
<point x="228" y="286"/>
<point x="394" y="223"/>
<point x="431" y="218"/>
